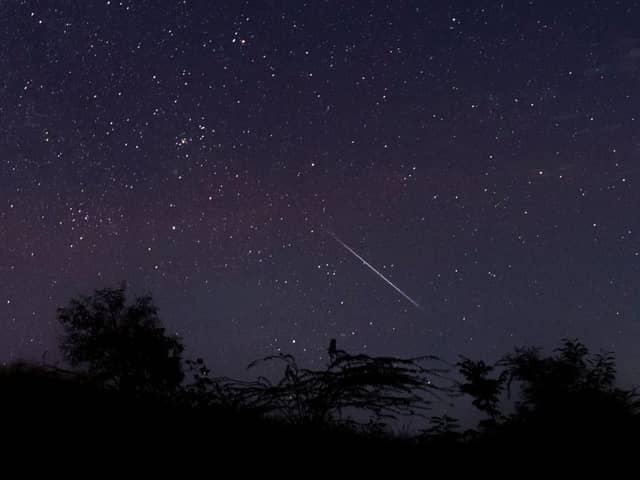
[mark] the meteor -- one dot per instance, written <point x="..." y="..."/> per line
<point x="355" y="254"/>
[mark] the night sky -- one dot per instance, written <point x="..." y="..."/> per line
<point x="483" y="156"/>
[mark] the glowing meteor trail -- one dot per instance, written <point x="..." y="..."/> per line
<point x="413" y="302"/>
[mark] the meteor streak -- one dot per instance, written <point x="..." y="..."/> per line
<point x="355" y="254"/>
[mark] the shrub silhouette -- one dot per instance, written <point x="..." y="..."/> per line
<point x="377" y="388"/>
<point x="573" y="387"/>
<point x="119" y="345"/>
<point x="570" y="394"/>
<point x="485" y="391"/>
<point x="530" y="399"/>
<point x="442" y="429"/>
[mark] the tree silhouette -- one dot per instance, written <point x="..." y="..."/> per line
<point x="484" y="390"/>
<point x="378" y="387"/>
<point x="119" y="345"/>
<point x="569" y="395"/>
<point x="573" y="386"/>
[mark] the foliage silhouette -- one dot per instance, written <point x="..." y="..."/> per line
<point x="484" y="391"/>
<point x="119" y="345"/>
<point x="378" y="388"/>
<point x="528" y="399"/>
<point x="567" y="398"/>
<point x="573" y="385"/>
<point x="442" y="429"/>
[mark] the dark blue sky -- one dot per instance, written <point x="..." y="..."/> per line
<point x="484" y="156"/>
